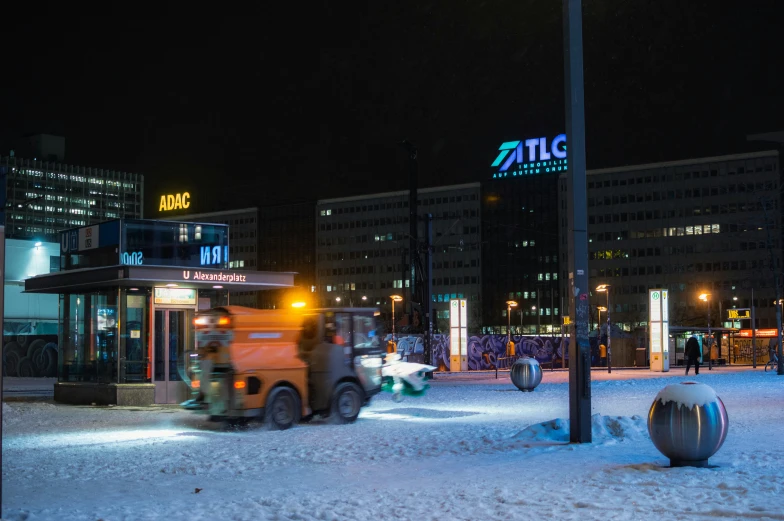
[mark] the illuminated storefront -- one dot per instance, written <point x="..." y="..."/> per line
<point x="128" y="292"/>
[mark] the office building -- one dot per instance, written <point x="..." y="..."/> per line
<point x="520" y="248"/>
<point x="707" y="225"/>
<point x="362" y="244"/>
<point x="43" y="198"/>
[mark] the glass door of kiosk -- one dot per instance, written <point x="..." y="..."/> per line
<point x="172" y="339"/>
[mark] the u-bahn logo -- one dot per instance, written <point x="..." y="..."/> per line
<point x="532" y="156"/>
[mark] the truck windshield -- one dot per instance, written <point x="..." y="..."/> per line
<point x="366" y="333"/>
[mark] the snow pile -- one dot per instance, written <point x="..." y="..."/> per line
<point x="687" y="394"/>
<point x="603" y="428"/>
<point x="10" y="415"/>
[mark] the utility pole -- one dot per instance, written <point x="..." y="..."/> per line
<point x="413" y="225"/>
<point x="427" y="300"/>
<point x="753" y="333"/>
<point x="579" y="346"/>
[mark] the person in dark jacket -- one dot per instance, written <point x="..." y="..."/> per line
<point x="692" y="353"/>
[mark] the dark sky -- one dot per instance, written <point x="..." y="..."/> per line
<point x="311" y="99"/>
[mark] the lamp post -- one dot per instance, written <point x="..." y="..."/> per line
<point x="705" y="297"/>
<point x="509" y="305"/>
<point x="533" y="310"/>
<point x="599" y="319"/>
<point x="395" y="298"/>
<point x="605" y="288"/>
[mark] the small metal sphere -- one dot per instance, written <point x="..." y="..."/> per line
<point x="688" y="423"/>
<point x="526" y="374"/>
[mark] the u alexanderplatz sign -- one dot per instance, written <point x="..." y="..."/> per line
<point x="530" y="157"/>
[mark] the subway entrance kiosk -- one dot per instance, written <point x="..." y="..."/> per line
<point x="128" y="292"/>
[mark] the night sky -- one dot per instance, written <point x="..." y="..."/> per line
<point x="311" y="99"/>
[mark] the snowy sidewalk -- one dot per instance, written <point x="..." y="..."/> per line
<point x="460" y="452"/>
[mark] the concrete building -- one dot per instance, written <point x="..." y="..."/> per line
<point x="243" y="244"/>
<point x="706" y="225"/>
<point x="362" y="241"/>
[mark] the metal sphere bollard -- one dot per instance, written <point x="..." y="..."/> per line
<point x="526" y="374"/>
<point x="688" y="423"/>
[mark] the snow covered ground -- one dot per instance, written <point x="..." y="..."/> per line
<point x="472" y="448"/>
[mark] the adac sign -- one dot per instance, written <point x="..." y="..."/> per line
<point x="171" y="202"/>
<point x="529" y="157"/>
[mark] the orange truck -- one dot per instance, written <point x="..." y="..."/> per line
<point x="286" y="365"/>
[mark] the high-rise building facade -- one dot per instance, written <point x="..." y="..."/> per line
<point x="362" y="244"/>
<point x="41" y="199"/>
<point x="520" y="216"/>
<point x="699" y="226"/>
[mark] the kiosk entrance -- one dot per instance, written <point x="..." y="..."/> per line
<point x="173" y="342"/>
<point x="126" y="328"/>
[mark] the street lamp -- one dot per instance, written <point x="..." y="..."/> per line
<point x="395" y="298"/>
<point x="605" y="288"/>
<point x="509" y="305"/>
<point x="599" y="320"/>
<point x="705" y="297"/>
<point x="533" y="310"/>
<point x="364" y="300"/>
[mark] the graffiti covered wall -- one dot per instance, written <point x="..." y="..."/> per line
<point x="30" y="355"/>
<point x="484" y="350"/>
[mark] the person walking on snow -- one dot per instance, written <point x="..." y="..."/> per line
<point x="692" y="353"/>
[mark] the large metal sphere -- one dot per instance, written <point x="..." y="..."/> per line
<point x="688" y="423"/>
<point x="526" y="374"/>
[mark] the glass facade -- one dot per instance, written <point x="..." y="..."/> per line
<point x="106" y="336"/>
<point x="44" y="198"/>
<point x="520" y="254"/>
<point x="102" y="337"/>
<point x="146" y="243"/>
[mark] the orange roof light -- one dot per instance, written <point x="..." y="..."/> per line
<point x="239" y="384"/>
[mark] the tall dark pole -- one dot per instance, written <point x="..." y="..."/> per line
<point x="427" y="305"/>
<point x="609" y="334"/>
<point x="413" y="243"/>
<point x="579" y="347"/>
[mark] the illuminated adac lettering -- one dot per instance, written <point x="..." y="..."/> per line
<point x="175" y="202"/>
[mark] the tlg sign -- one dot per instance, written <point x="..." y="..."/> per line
<point x="532" y="156"/>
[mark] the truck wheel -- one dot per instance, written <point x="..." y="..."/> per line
<point x="283" y="409"/>
<point x="346" y="402"/>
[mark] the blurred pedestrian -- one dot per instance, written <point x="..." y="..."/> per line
<point x="692" y="353"/>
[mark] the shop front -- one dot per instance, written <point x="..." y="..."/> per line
<point x="125" y="327"/>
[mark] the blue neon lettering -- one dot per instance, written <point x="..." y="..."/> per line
<point x="557" y="152"/>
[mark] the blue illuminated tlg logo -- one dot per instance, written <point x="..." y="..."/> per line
<point x="532" y="156"/>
